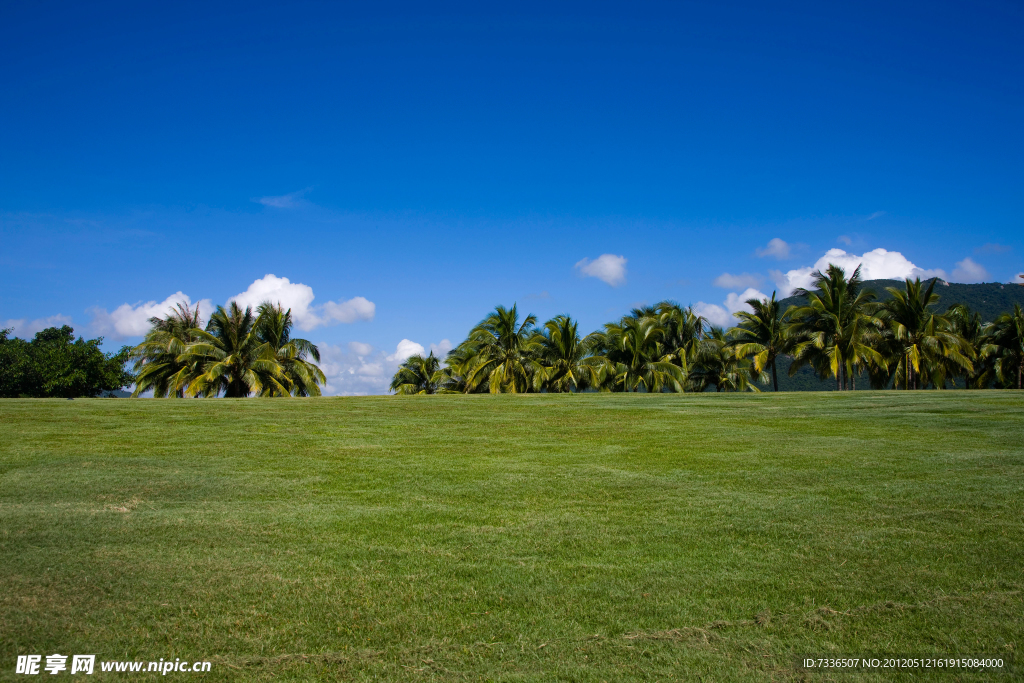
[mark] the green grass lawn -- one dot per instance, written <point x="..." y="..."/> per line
<point x="577" y="538"/>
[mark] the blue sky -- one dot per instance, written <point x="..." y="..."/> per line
<point x="415" y="165"/>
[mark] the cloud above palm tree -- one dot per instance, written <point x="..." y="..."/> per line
<point x="299" y="298"/>
<point x="606" y="267"/>
<point x="132" y="320"/>
<point x="878" y="264"/>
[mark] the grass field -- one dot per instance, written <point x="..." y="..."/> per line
<point x="576" y="538"/>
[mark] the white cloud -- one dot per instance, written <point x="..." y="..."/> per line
<point x="299" y="298"/>
<point x="776" y="248"/>
<point x="442" y="348"/>
<point x="284" y="201"/>
<point x="355" y="371"/>
<point x="876" y="214"/>
<point x="27" y="328"/>
<point x="729" y="281"/>
<point x="356" y="308"/>
<point x="969" y="271"/>
<point x="606" y="267"/>
<point x="714" y="314"/>
<point x="722" y="316"/>
<point x="878" y="264"/>
<point x="360" y="369"/>
<point x="405" y="349"/>
<point x="845" y="239"/>
<point x="129" y="320"/>
<point x="738" y="302"/>
<point x="360" y="349"/>
<point x="1017" y="279"/>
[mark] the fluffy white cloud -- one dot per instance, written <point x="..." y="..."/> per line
<point x="405" y="349"/>
<point x="722" y="316"/>
<point x="442" y="348"/>
<point x="969" y="271"/>
<point x="606" y="267"/>
<point x="356" y="371"/>
<point x="299" y="298"/>
<point x="132" y="320"/>
<point x="356" y="308"/>
<point x="129" y="320"/>
<point x="730" y="281"/>
<point x="1017" y="279"/>
<point x="360" y="349"/>
<point x="878" y="264"/>
<point x="776" y="248"/>
<point x="360" y="369"/>
<point x="714" y="314"/>
<point x="24" y="328"/>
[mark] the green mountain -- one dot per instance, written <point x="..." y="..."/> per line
<point x="989" y="298"/>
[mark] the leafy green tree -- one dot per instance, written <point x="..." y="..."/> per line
<point x="419" y="375"/>
<point x="56" y="365"/>
<point x="566" y="362"/>
<point x="762" y="335"/>
<point x="926" y="341"/>
<point x="835" y="333"/>
<point x="17" y="371"/>
<point x="504" y="352"/>
<point x="1005" y="342"/>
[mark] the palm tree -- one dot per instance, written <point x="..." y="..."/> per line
<point x="717" y="364"/>
<point x="683" y="331"/>
<point x="274" y="327"/>
<point x="457" y="366"/>
<point x="504" y="352"/>
<point x="234" y="360"/>
<point x="567" y="362"/>
<point x="158" y="359"/>
<point x="835" y="332"/>
<point x="925" y="340"/>
<point x="761" y="335"/>
<point x="639" y="361"/>
<point x="418" y="375"/>
<point x="1005" y="341"/>
<point x="970" y="327"/>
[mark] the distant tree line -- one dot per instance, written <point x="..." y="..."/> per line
<point x="841" y="332"/>
<point x="56" y="365"/>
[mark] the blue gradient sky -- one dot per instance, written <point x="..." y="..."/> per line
<point x="440" y="159"/>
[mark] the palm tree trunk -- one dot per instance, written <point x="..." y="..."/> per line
<point x="775" y="376"/>
<point x="1020" y="371"/>
<point x="853" y="382"/>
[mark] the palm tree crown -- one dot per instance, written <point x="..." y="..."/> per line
<point x="418" y="375"/>
<point x="504" y="351"/>
<point x="761" y="335"/>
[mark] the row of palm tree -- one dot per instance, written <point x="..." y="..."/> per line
<point x="238" y="353"/>
<point x="842" y="332"/>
